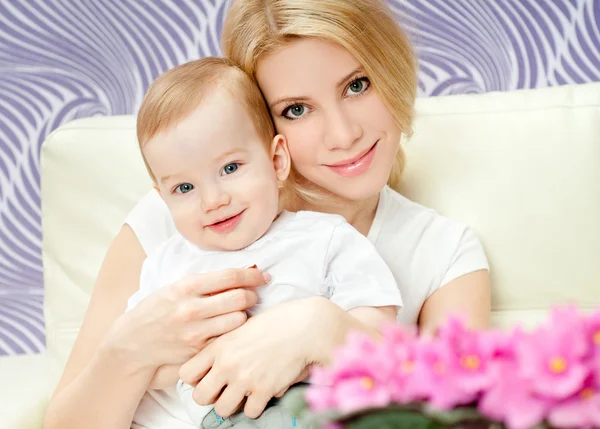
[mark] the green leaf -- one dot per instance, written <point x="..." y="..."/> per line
<point x="453" y="416"/>
<point x="392" y="419"/>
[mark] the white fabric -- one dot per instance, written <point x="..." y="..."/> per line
<point x="306" y="253"/>
<point x="423" y="249"/>
<point x="521" y="168"/>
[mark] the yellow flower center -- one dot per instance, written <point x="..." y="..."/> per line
<point x="408" y="366"/>
<point x="557" y="365"/>
<point x="471" y="362"/>
<point x="366" y="383"/>
<point x="439" y="367"/>
<point x="587" y="393"/>
<point x="597" y="338"/>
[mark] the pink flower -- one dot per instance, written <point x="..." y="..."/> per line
<point x="471" y="361"/>
<point x="552" y="357"/>
<point x="433" y="373"/>
<point x="592" y="329"/>
<point x="511" y="399"/>
<point x="359" y="379"/>
<point x="400" y="347"/>
<point x="406" y="385"/>
<point x="580" y="411"/>
<point x="320" y="393"/>
<point x="360" y="392"/>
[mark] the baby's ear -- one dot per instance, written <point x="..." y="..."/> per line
<point x="281" y="157"/>
<point x="157" y="189"/>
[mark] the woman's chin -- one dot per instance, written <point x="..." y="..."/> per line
<point x="358" y="190"/>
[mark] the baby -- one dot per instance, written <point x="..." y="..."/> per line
<point x="209" y="145"/>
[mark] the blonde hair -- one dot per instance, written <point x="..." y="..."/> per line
<point x="365" y="28"/>
<point x="179" y="91"/>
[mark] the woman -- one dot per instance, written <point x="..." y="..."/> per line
<point x="339" y="78"/>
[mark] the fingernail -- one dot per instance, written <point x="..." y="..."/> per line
<point x="267" y="277"/>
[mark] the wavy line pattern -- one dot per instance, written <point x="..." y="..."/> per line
<point x="63" y="60"/>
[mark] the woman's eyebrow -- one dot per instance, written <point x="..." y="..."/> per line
<point x="341" y="82"/>
<point x="287" y="99"/>
<point x="349" y="76"/>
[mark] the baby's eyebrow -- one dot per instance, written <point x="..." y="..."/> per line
<point x="165" y="178"/>
<point x="231" y="152"/>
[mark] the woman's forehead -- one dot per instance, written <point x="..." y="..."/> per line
<point x="305" y="64"/>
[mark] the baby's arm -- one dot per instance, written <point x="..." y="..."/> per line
<point x="359" y="280"/>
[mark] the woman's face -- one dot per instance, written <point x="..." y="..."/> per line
<point x="340" y="134"/>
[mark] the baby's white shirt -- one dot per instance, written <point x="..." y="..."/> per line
<point x="306" y="253"/>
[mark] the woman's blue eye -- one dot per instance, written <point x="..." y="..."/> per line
<point x="295" y="111"/>
<point x="231" y="168"/>
<point x="184" y="188"/>
<point x="358" y="86"/>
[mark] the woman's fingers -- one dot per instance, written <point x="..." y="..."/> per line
<point x="223" y="324"/>
<point x="196" y="368"/>
<point x="197" y="335"/>
<point x="222" y="303"/>
<point x="281" y="392"/>
<point x="229" y="401"/>
<point x="303" y="376"/>
<point x="256" y="403"/>
<point x="208" y="389"/>
<point x="220" y="281"/>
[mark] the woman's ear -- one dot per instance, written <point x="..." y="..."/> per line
<point x="281" y="158"/>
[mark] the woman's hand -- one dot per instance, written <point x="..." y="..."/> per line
<point x="262" y="358"/>
<point x="172" y="324"/>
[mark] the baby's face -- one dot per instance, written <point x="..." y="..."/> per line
<point x="216" y="175"/>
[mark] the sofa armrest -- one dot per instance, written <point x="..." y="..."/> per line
<point x="24" y="391"/>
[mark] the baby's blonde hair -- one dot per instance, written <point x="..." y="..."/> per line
<point x="178" y="92"/>
<point x="367" y="29"/>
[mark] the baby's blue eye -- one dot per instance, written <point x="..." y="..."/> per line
<point x="230" y="168"/>
<point x="184" y="188"/>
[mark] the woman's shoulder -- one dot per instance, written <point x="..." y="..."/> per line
<point x="418" y="236"/>
<point x="151" y="221"/>
<point x="408" y="217"/>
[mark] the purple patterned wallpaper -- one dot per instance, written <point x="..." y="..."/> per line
<point x="61" y="60"/>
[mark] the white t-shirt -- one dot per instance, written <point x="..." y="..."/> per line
<point x="423" y="250"/>
<point x="306" y="253"/>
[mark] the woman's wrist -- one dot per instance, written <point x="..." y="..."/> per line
<point x="111" y="355"/>
<point x="117" y="352"/>
<point x="330" y="327"/>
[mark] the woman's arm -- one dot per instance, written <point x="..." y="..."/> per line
<point x="94" y="381"/>
<point x="116" y="355"/>
<point x="468" y="295"/>
<point x="262" y="358"/>
<point x="268" y="353"/>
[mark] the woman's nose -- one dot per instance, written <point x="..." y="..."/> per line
<point x="342" y="129"/>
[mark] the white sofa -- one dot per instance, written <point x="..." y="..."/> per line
<point x="522" y="168"/>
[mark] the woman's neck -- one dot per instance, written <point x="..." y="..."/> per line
<point x="359" y="214"/>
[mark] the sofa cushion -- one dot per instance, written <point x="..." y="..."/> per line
<point x="523" y="169"/>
